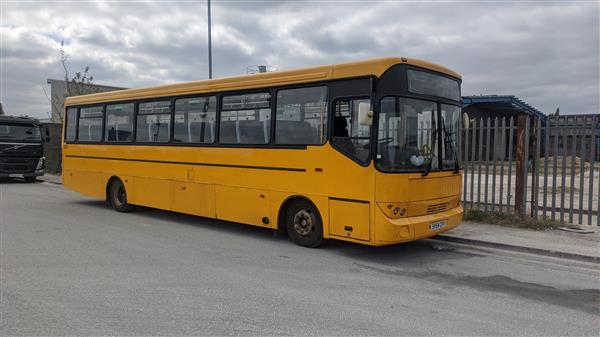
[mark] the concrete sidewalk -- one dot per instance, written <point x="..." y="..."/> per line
<point x="585" y="247"/>
<point x="51" y="178"/>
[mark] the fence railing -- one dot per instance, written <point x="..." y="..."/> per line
<point x="543" y="169"/>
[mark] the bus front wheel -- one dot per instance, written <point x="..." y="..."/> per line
<point x="118" y="197"/>
<point x="303" y="224"/>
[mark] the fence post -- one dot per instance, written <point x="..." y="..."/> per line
<point x="511" y="127"/>
<point x="521" y="162"/>
<point x="535" y="175"/>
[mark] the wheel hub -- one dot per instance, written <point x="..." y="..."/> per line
<point x="303" y="222"/>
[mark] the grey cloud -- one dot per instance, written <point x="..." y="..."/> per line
<point x="545" y="53"/>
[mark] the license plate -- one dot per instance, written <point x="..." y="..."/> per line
<point x="437" y="225"/>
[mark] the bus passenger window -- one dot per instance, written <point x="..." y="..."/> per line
<point x="301" y="116"/>
<point x="245" y="119"/>
<point x="71" y="132"/>
<point x="154" y="122"/>
<point x="195" y="120"/>
<point x="349" y="136"/>
<point x="90" y="124"/>
<point x="119" y="123"/>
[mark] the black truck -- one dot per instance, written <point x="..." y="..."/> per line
<point x="21" y="148"/>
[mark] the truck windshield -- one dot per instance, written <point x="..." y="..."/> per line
<point x="409" y="132"/>
<point x="19" y="132"/>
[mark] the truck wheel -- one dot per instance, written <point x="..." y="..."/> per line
<point x="118" y="197"/>
<point x="303" y="224"/>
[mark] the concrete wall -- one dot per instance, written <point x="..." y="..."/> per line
<point x="58" y="93"/>
<point x="52" y="149"/>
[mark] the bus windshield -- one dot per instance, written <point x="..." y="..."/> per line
<point x="18" y="132"/>
<point x="409" y="133"/>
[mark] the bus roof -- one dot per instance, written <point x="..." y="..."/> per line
<point x="374" y="67"/>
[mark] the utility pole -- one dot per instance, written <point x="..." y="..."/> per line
<point x="209" y="45"/>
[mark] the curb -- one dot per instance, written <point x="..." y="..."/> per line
<point x="51" y="181"/>
<point x="538" y="251"/>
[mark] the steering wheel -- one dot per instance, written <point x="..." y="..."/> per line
<point x="425" y="150"/>
<point x="385" y="140"/>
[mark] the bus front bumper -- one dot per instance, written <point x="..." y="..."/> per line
<point x="391" y="231"/>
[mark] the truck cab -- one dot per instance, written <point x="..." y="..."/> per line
<point x="21" y="148"/>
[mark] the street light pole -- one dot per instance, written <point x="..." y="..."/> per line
<point x="209" y="45"/>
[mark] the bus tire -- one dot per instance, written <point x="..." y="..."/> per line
<point x="117" y="196"/>
<point x="303" y="224"/>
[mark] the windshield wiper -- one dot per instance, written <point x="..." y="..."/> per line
<point x="448" y="140"/>
<point x="30" y="130"/>
<point x="434" y="140"/>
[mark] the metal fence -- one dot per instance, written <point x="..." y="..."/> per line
<point x="543" y="169"/>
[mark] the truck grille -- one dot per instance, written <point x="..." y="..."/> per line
<point x="18" y="165"/>
<point x="436" y="208"/>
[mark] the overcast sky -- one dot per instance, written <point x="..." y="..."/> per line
<point x="546" y="53"/>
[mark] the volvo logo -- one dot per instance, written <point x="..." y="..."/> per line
<point x="16" y="147"/>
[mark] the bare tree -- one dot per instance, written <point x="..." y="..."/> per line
<point x="79" y="84"/>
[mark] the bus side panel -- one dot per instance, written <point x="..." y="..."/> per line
<point x="349" y="219"/>
<point x="151" y="192"/>
<point x="86" y="183"/>
<point x="193" y="198"/>
<point x="245" y="205"/>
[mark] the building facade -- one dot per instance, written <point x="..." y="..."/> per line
<point x="60" y="89"/>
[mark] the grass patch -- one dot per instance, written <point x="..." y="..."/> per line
<point x="510" y="220"/>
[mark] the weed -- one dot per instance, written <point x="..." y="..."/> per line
<point x="510" y="220"/>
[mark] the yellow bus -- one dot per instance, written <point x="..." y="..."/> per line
<point x="364" y="151"/>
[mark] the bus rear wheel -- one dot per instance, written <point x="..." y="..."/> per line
<point x="118" y="196"/>
<point x="303" y="224"/>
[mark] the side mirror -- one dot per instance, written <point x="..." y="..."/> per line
<point x="365" y="114"/>
<point x="466" y="121"/>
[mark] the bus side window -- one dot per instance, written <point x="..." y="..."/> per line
<point x="90" y="124"/>
<point x="153" y="122"/>
<point x="245" y="119"/>
<point x="71" y="132"/>
<point x="301" y="116"/>
<point x="349" y="136"/>
<point x="119" y="123"/>
<point x="195" y="120"/>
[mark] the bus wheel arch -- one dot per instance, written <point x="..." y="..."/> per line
<point x="298" y="208"/>
<point x="116" y="195"/>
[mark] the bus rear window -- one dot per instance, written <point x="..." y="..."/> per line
<point x="421" y="82"/>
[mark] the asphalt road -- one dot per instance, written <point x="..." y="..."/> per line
<point x="71" y="266"/>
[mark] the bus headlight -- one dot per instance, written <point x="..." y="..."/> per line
<point x="394" y="210"/>
<point x="40" y="164"/>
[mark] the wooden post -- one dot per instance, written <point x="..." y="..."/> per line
<point x="534" y="150"/>
<point x="520" y="160"/>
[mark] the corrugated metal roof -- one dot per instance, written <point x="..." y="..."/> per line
<point x="510" y="103"/>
